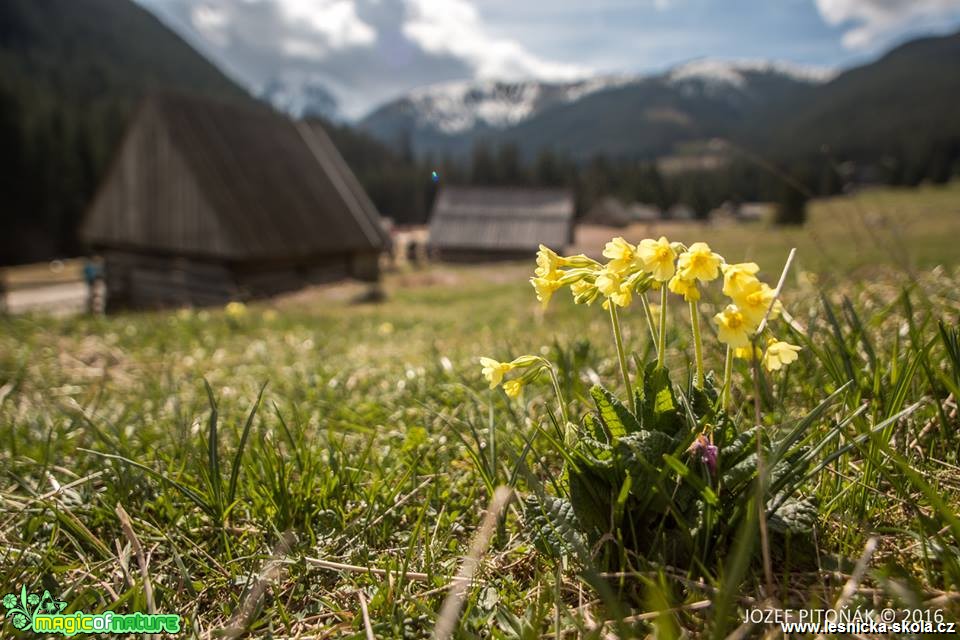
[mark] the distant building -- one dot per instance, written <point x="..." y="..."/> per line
<point x="642" y="212"/>
<point x="681" y="212"/>
<point x="607" y="212"/>
<point x="211" y="201"/>
<point x="755" y="211"/>
<point x="499" y="223"/>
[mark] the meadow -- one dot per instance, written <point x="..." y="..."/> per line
<point x="315" y="466"/>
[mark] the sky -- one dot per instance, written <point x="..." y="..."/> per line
<point x="367" y="52"/>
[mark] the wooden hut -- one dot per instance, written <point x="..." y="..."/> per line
<point x="499" y="223"/>
<point x="210" y="201"/>
<point x="607" y="212"/>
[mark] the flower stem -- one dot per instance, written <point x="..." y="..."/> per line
<point x="662" y="335"/>
<point x="727" y="382"/>
<point x="618" y="336"/>
<point x="650" y="324"/>
<point x="697" y="343"/>
<point x="556" y="389"/>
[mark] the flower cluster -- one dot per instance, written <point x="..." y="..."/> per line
<point x="670" y="267"/>
<point x="752" y="302"/>
<point x="632" y="270"/>
<point x="496" y="372"/>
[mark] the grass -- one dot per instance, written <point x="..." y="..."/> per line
<point x="376" y="445"/>
<point x="909" y="230"/>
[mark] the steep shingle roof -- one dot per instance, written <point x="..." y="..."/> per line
<point x="278" y="188"/>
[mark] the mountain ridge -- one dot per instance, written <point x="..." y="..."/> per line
<point x="451" y="117"/>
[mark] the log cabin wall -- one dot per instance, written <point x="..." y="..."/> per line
<point x="207" y="202"/>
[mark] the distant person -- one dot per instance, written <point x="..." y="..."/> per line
<point x="93" y="276"/>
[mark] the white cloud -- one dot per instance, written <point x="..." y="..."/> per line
<point x="870" y="21"/>
<point x="307" y="29"/>
<point x="454" y="27"/>
<point x="336" y="20"/>
<point x="212" y="23"/>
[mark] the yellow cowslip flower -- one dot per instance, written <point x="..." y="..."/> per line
<point x="779" y="354"/>
<point x="513" y="387"/>
<point x="547" y="263"/>
<point x="608" y="281"/>
<point x="610" y="284"/>
<point x="733" y="329"/>
<point x="235" y="309"/>
<point x="494" y="370"/>
<point x="580" y="261"/>
<point x="622" y="255"/>
<point x="755" y="301"/>
<point x="686" y="288"/>
<point x="584" y="292"/>
<point x="522" y="362"/>
<point x="737" y="277"/>
<point x="545" y="288"/>
<point x="698" y="262"/>
<point x="743" y="353"/>
<point x="658" y="258"/>
<point x="623" y="296"/>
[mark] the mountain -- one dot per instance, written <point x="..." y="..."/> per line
<point x="70" y="75"/>
<point x="630" y="116"/>
<point x="301" y="99"/>
<point x="459" y="111"/>
<point x="900" y="110"/>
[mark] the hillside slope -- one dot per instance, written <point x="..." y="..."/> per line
<point x="70" y="74"/>
<point x="900" y="110"/>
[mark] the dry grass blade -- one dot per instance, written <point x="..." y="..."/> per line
<point x="853" y="583"/>
<point x="353" y="568"/>
<point x="366" y="616"/>
<point x="127" y="527"/>
<point x="450" y="612"/>
<point x="271" y="571"/>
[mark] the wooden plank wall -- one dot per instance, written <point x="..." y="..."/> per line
<point x="141" y="281"/>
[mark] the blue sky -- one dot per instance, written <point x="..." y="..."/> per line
<point x="368" y="51"/>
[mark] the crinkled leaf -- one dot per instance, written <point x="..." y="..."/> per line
<point x="738" y="449"/>
<point x="745" y="471"/>
<point x="658" y="411"/>
<point x="592" y="496"/>
<point x="614" y="415"/>
<point x="554" y="525"/>
<point x="593" y="427"/>
<point x="794" y="516"/>
<point x="639" y="452"/>
<point x="704" y="400"/>
<point x="740" y="474"/>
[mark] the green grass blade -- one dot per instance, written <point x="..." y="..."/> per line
<point x="235" y="468"/>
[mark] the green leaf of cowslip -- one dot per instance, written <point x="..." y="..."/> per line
<point x="617" y="418"/>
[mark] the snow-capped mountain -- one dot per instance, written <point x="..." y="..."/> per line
<point x="698" y="97"/>
<point x="735" y="73"/>
<point x="457" y="107"/>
